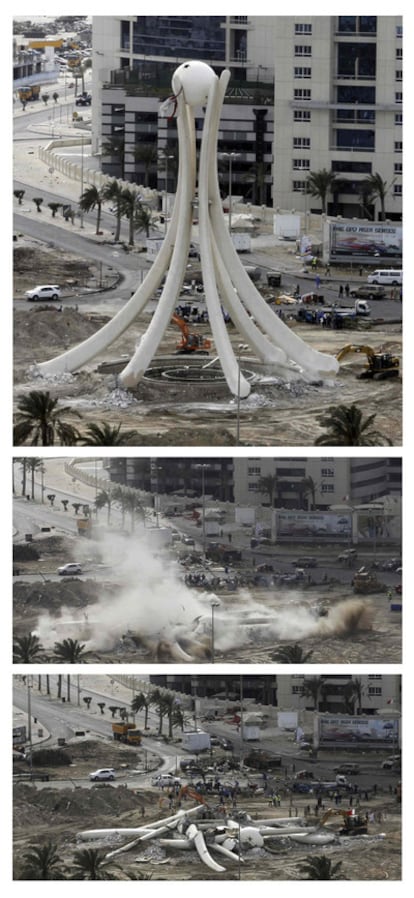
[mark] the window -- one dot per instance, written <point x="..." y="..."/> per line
<point x="398" y="96"/>
<point x="399" y="53"/>
<point x="251" y="470"/>
<point x="397" y="190"/>
<point x="298" y="186"/>
<point x="302" y="72"/>
<point x="300" y="93"/>
<point x="302" y="115"/>
<point x="327" y="472"/>
<point x="252" y="487"/>
<point x="398" y="147"/>
<point x="398" y="168"/>
<point x="327" y="488"/>
<point x="297" y="690"/>
<point x="303" y="50"/>
<point x="399" y="31"/>
<point x="398" y="118"/>
<point x="303" y="28"/>
<point x="299" y="142"/>
<point x="398" y="75"/>
<point x="374" y="690"/>
<point x="301" y="163"/>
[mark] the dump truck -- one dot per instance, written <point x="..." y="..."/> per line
<point x="126" y="732"/>
<point x="364" y="582"/>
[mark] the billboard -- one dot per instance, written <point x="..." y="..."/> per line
<point x="376" y="242"/>
<point x="381" y="732"/>
<point x="313" y="524"/>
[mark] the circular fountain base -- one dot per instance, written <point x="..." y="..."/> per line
<point x="203" y="371"/>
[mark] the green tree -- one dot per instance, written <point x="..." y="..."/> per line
<point x="143" y="218"/>
<point x="91" y="863"/>
<point x="55" y="96"/>
<point x="346" y="426"/>
<point x="313" y="688"/>
<point x="42" y="862"/>
<point x="27" y="649"/>
<point x="45" y="98"/>
<point x="91" y="199"/>
<point x="157" y="699"/>
<point x="379" y="189"/>
<point x="140" y="702"/>
<point x="40" y="420"/>
<point x="267" y="485"/>
<point x="319" y="183"/>
<point x="291" y="654"/>
<point x="115" y="147"/>
<point x="320" y="868"/>
<point x="307" y="487"/>
<point x="107" y="435"/>
<point x="69" y="651"/>
<point x="19" y="194"/>
<point x="112" y="191"/>
<point x="256" y="177"/>
<point x="104" y="497"/>
<point x="147" y="154"/>
<point x="33" y="464"/>
<point x="129" y="199"/>
<point x="54" y="208"/>
<point x="353" y="694"/>
<point x="38" y="200"/>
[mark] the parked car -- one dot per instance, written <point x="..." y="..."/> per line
<point x="68" y="570"/>
<point x="392" y="763"/>
<point x="188" y="541"/>
<point x="166" y="779"/>
<point x="347" y="767"/>
<point x="104" y="773"/>
<point x="83" y="100"/>
<point x="306" y="561"/>
<point x="368" y="291"/>
<point x="226" y="744"/>
<point x="44" y="291"/>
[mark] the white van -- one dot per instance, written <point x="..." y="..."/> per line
<point x="391" y="276"/>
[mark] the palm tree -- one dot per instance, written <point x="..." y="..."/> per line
<point x="142" y="218"/>
<point x="267" y="484"/>
<point x="133" y="505"/>
<point x="319" y="183"/>
<point x="115" y="146"/>
<point x="308" y="487"/>
<point x="42" y="862"/>
<point x="129" y="198"/>
<point x="40" y="419"/>
<point x="140" y="702"/>
<point x="91" y="863"/>
<point x="313" y="688"/>
<point x="291" y="654"/>
<point x="107" y="435"/>
<point x="366" y="198"/>
<point x="157" y="699"/>
<point x="103" y="498"/>
<point x="92" y="198"/>
<point x="34" y="464"/>
<point x="112" y="191"/>
<point x="379" y="189"/>
<point x="147" y="154"/>
<point x="347" y="427"/>
<point x="69" y="651"/>
<point x="256" y="176"/>
<point x="353" y="693"/>
<point x="320" y="868"/>
<point x="27" y="649"/>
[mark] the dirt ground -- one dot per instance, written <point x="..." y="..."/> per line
<point x="352" y="629"/>
<point x="277" y="413"/>
<point x="69" y="809"/>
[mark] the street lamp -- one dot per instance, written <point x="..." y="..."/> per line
<point x="81" y="209"/>
<point x="214" y="602"/>
<point x="230" y="157"/>
<point x="203" y="494"/>
<point x="242" y="346"/>
<point x="164" y="158"/>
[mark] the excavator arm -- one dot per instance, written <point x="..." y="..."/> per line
<point x="367" y="350"/>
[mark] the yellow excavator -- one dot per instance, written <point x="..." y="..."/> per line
<point x="379" y="365"/>
<point x="353" y="824"/>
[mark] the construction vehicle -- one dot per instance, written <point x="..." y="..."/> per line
<point x="126" y="732"/>
<point x="84" y="526"/>
<point x="380" y="365"/>
<point x="189" y="792"/>
<point x="353" y="824"/>
<point x="29" y="93"/>
<point x="190" y="342"/>
<point x="364" y="583"/>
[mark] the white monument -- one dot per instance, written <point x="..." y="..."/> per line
<point x="226" y="282"/>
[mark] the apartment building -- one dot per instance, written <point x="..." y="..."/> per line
<point x="316" y="482"/>
<point x="188" y="476"/>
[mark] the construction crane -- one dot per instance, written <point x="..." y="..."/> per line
<point x="190" y="342"/>
<point x="380" y="365"/>
<point x="353" y="824"/>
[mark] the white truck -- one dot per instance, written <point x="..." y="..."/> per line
<point x="196" y="740"/>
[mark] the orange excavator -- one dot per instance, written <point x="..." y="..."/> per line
<point x="353" y="823"/>
<point x="190" y="342"/>
<point x="191" y="793"/>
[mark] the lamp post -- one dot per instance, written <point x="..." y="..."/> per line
<point x="81" y="209"/>
<point x="165" y="159"/>
<point x="241" y="347"/>
<point x="230" y="157"/>
<point x="214" y="602"/>
<point x="203" y="500"/>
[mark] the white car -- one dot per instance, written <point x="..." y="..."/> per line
<point x="166" y="779"/>
<point x="105" y="773"/>
<point x="68" y="570"/>
<point x="45" y="291"/>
